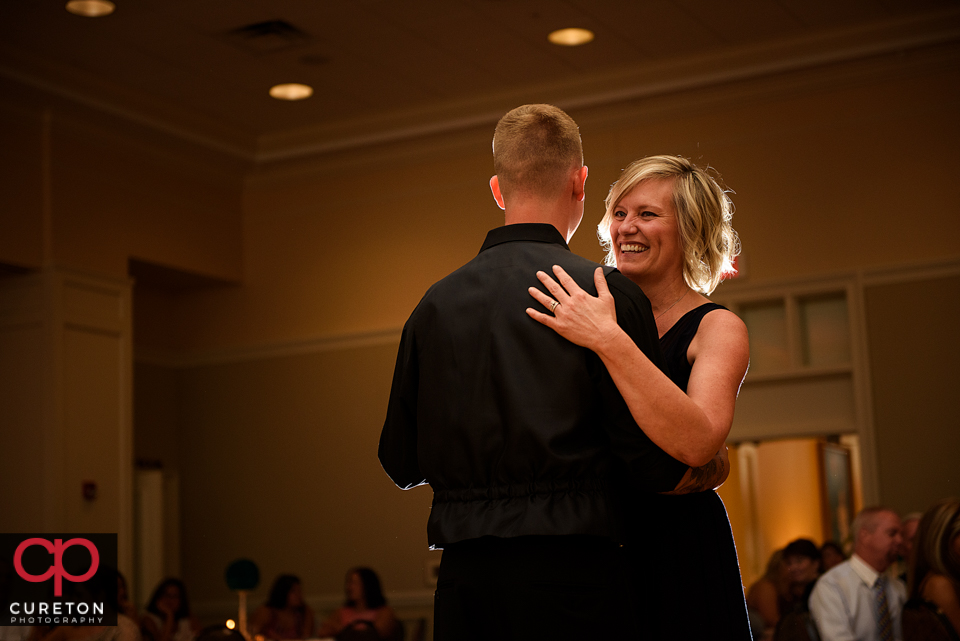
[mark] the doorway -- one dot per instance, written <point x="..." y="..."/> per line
<point x="780" y="490"/>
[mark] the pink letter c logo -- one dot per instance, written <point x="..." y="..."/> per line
<point x="56" y="570"/>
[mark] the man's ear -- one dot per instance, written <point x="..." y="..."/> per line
<point x="581" y="179"/>
<point x="495" y="188"/>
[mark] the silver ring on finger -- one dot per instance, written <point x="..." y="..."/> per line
<point x="553" y="306"/>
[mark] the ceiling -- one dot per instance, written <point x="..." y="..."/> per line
<point x="383" y="69"/>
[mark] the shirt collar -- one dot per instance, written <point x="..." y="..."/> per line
<point x="863" y="570"/>
<point x="537" y="232"/>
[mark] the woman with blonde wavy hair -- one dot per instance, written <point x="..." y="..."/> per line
<point x="667" y="227"/>
<point x="934" y="576"/>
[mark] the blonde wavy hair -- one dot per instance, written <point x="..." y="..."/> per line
<point x="704" y="217"/>
<point x="933" y="549"/>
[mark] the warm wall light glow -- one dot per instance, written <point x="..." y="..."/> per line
<point x="230" y="624"/>
<point x="91" y="8"/>
<point x="571" y="37"/>
<point x="291" y="91"/>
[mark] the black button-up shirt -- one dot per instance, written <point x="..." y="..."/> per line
<point x="518" y="431"/>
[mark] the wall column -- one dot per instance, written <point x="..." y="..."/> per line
<point x="65" y="406"/>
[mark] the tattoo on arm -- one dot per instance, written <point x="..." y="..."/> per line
<point x="707" y="477"/>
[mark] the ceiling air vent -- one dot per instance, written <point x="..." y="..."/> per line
<point x="267" y="37"/>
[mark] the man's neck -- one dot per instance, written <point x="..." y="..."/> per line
<point x="537" y="211"/>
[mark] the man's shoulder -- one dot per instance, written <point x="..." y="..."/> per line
<point x="840" y="576"/>
<point x="842" y="569"/>
<point x="456" y="278"/>
<point x="535" y="254"/>
<point x="624" y="291"/>
<point x="621" y="285"/>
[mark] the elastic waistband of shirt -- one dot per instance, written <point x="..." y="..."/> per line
<point x="521" y="490"/>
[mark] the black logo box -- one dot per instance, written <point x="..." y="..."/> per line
<point x="22" y="600"/>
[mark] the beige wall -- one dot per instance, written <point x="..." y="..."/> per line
<point x="279" y="383"/>
<point x="166" y="209"/>
<point x="88" y="192"/>
<point x="156" y="414"/>
<point x="288" y="476"/>
<point x="21" y="198"/>
<point x="22" y="413"/>
<point x="914" y="349"/>
<point x="345" y="244"/>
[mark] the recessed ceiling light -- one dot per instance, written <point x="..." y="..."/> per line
<point x="91" y="8"/>
<point x="291" y="91"/>
<point x="570" y="37"/>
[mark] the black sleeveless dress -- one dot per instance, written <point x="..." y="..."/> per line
<point x="682" y="546"/>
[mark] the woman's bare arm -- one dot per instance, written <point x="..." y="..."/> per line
<point x="690" y="427"/>
<point x="942" y="592"/>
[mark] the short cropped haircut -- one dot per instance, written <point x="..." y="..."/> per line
<point x="867" y="519"/>
<point x="535" y="147"/>
<point x="704" y="217"/>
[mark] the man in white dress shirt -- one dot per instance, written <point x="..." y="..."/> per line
<point x="855" y="601"/>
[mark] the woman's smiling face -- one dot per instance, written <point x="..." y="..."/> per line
<point x="644" y="233"/>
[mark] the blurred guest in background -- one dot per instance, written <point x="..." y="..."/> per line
<point x="767" y="596"/>
<point x="934" y="609"/>
<point x="802" y="558"/>
<point x="285" y="615"/>
<point x="908" y="534"/>
<point x="855" y="600"/>
<point x="168" y="616"/>
<point x="831" y="555"/>
<point x="127" y="608"/>
<point x="365" y="608"/>
<point x="100" y="588"/>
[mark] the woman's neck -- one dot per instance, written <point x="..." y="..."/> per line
<point x="664" y="294"/>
